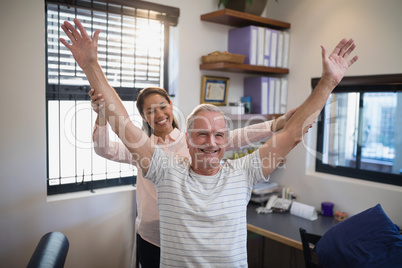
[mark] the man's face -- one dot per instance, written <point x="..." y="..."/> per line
<point x="206" y="142"/>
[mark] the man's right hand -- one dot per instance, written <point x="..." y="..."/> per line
<point x="335" y="65"/>
<point x="83" y="48"/>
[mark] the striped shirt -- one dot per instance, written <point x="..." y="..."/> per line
<point x="203" y="218"/>
<point x="147" y="220"/>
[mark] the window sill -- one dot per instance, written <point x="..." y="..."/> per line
<point x="85" y="194"/>
<point x="341" y="179"/>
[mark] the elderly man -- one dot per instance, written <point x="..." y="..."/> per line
<point x="202" y="203"/>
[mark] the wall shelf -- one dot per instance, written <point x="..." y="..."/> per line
<point x="242" y="68"/>
<point x="240" y="19"/>
<point x="257" y="117"/>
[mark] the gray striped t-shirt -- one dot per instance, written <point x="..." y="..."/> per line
<point x="203" y="218"/>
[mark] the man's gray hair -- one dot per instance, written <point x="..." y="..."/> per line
<point x="208" y="108"/>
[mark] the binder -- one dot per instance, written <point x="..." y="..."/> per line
<point x="258" y="89"/>
<point x="260" y="45"/>
<point x="277" y="104"/>
<point x="284" y="95"/>
<point x="279" y="55"/>
<point x="244" y="41"/>
<point x="274" y="48"/>
<point x="267" y="46"/>
<point x="271" y="98"/>
<point x="286" y="46"/>
<point x="264" y="97"/>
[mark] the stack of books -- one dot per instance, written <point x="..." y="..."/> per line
<point x="268" y="94"/>
<point x="261" y="46"/>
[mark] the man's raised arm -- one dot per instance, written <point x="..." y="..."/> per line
<point x="334" y="68"/>
<point x="85" y="50"/>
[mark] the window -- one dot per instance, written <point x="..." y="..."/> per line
<point x="133" y="50"/>
<point x="359" y="132"/>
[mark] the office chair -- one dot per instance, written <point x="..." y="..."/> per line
<point x="51" y="251"/>
<point x="307" y="239"/>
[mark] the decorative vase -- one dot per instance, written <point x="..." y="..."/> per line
<point x="241" y="5"/>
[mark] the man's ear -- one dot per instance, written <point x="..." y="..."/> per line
<point x="187" y="137"/>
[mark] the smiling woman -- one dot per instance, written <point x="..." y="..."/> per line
<point x="151" y="100"/>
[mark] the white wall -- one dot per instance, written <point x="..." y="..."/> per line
<point x="99" y="226"/>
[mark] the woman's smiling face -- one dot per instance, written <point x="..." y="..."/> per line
<point x="158" y="113"/>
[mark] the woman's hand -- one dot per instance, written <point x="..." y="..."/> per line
<point x="98" y="105"/>
<point x="97" y="102"/>
<point x="83" y="48"/>
<point x="280" y="122"/>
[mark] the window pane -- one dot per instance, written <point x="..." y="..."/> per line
<point x="71" y="155"/>
<point x="340" y="129"/>
<point x="379" y="131"/>
<point x="368" y="138"/>
<point x="360" y="131"/>
<point x="53" y="142"/>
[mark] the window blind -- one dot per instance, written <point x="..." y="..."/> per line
<point x="130" y="51"/>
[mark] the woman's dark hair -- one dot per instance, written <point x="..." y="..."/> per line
<point x="144" y="93"/>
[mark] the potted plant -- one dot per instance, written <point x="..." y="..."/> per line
<point x="249" y="6"/>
